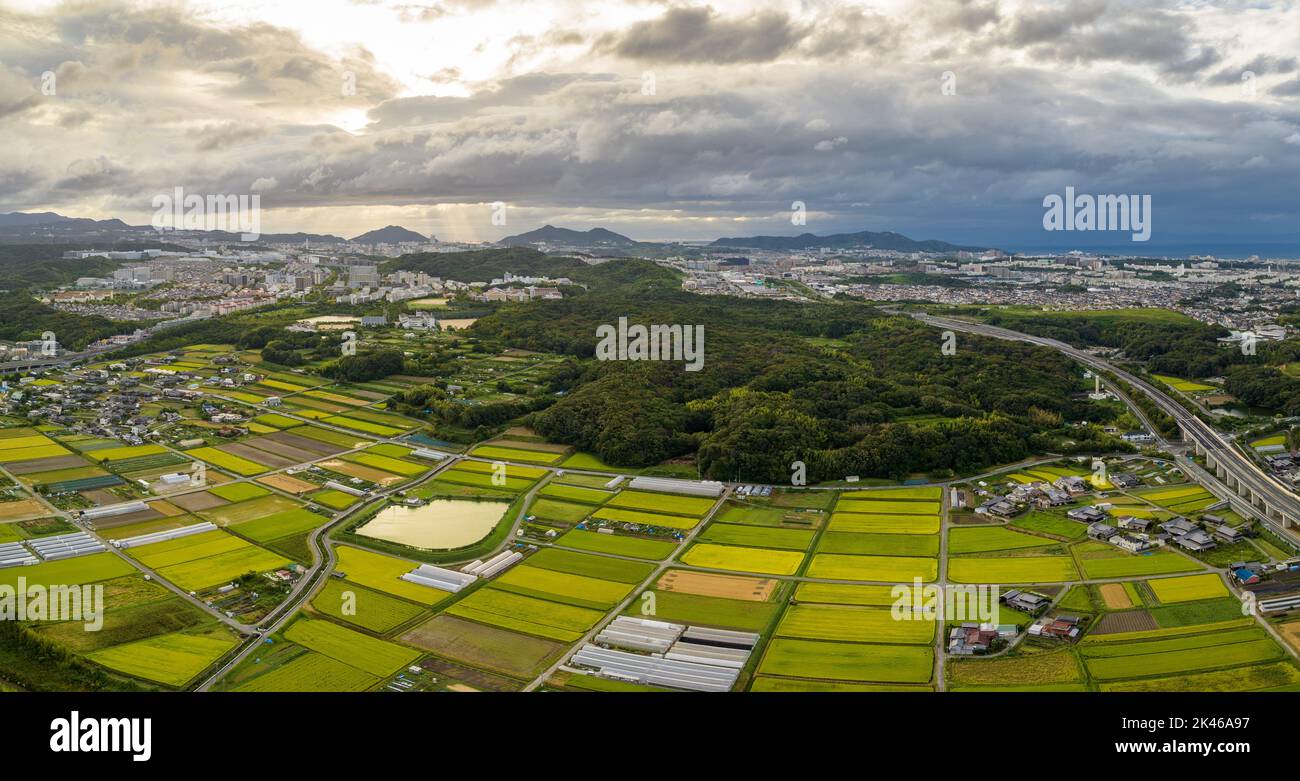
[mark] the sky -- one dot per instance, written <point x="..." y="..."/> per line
<point x="948" y="119"/>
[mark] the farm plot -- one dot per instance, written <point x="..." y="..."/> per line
<point x="1109" y="562"/>
<point x="384" y="573"/>
<point x="563" y="512"/>
<point x="280" y="524"/>
<point x="852" y="625"/>
<point x="983" y="539"/>
<point x="879" y="544"/>
<point x="1011" y="569"/>
<point x="377" y="657"/>
<point x="854" y="503"/>
<point x="538" y="617"/>
<point x="562" y="587"/>
<point x="182" y="549"/>
<point x="1188" y="588"/>
<point x="742" y="559"/>
<point x="618" y="545"/>
<point x="1022" y="669"/>
<point x="81" y="569"/>
<point x="747" y="615"/>
<point x="602" y="567"/>
<point x="171" y="659"/>
<point x="221" y="568"/>
<point x="793" y="658"/>
<point x="333" y="499"/>
<point x="311" y="672"/>
<point x="462" y="475"/>
<point x="757" y="536"/>
<point x="387" y="463"/>
<point x="238" y="492"/>
<point x="884" y="523"/>
<point x="892" y="569"/>
<point x="232" y="463"/>
<point x="368" y="609"/>
<point x="486" y="647"/>
<point x="1148" y="660"/>
<point x="708" y="584"/>
<point x="574" y="493"/>
<point x="245" y="511"/>
<point x="661" y="503"/>
<point x="680" y="522"/>
<point x="845" y="594"/>
<point x="516" y="454"/>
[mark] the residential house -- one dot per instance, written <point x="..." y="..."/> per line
<point x="1101" y="531"/>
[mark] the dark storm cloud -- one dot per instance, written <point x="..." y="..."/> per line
<point x="837" y="106"/>
<point x="701" y="35"/>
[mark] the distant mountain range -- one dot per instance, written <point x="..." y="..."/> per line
<point x="393" y="234"/>
<point x="549" y="234"/>
<point x="888" y="240"/>
<point x="49" y="227"/>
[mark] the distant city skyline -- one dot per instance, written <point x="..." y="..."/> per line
<point x="947" y="120"/>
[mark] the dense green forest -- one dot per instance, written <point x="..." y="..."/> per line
<point x="486" y="265"/>
<point x="1168" y="343"/>
<point x="23" y="317"/>
<point x="28" y="267"/>
<point x="840" y="386"/>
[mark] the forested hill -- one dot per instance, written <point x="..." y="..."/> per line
<point x="839" y="386"/>
<point x="24" y="268"/>
<point x="486" y="265"/>
<point x="1169" y="343"/>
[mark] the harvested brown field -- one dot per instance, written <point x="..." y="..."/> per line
<point x="1130" y="621"/>
<point x="288" y="484"/>
<point x="485" y="647"/>
<point x="1291" y="633"/>
<point x="244" y="450"/>
<point x="478" y="678"/>
<point x="306" y="444"/>
<point x="45" y="465"/>
<point x="707" y="584"/>
<point x="166" y="508"/>
<point x="199" y="500"/>
<point x="21" y="510"/>
<point x="364" y="472"/>
<point x="278" y="449"/>
<point x="1114" y="595"/>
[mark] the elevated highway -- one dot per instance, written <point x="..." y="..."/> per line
<point x="1263" y="495"/>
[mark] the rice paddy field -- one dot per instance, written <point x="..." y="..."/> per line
<point x="811" y="571"/>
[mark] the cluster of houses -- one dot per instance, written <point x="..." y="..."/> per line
<point x="1063" y="627"/>
<point x="115" y="400"/>
<point x="1137" y="534"/>
<point x="1042" y="496"/>
<point x="971" y="638"/>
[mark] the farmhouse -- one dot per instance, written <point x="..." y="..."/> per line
<point x="1101" y="531"/>
<point x="969" y="639"/>
<point x="1073" y="485"/>
<point x="1025" y="601"/>
<point x="997" y="506"/>
<point x="1059" y="628"/>
<point x="1125" y="480"/>
<point x="1227" y="533"/>
<point x="1130" y="524"/>
<point x="1130" y="543"/>
<point x="1086" y="514"/>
